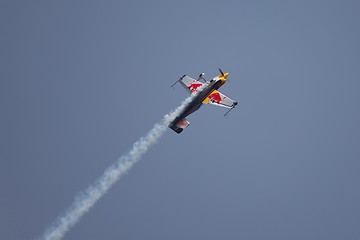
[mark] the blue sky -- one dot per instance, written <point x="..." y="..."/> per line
<point x="82" y="80"/>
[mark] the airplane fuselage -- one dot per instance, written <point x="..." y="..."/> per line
<point x="197" y="101"/>
<point x="205" y="93"/>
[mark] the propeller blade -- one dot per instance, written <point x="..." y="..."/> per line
<point x="221" y="72"/>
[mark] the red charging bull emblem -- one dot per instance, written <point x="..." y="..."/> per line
<point x="194" y="86"/>
<point x="215" y="97"/>
<point x="183" y="123"/>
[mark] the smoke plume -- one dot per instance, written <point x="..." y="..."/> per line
<point x="85" y="201"/>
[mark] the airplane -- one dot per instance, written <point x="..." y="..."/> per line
<point x="206" y="92"/>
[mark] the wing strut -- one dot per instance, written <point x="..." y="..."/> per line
<point x="201" y="77"/>
<point x="233" y="106"/>
<point x="177" y="81"/>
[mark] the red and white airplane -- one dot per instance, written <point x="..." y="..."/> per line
<point x="206" y="92"/>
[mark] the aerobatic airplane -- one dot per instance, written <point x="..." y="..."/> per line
<point x="206" y="92"/>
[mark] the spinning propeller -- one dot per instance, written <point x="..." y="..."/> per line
<point x="222" y="73"/>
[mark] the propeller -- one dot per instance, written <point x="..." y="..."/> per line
<point x="222" y="73"/>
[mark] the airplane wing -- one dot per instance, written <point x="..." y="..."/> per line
<point x="219" y="99"/>
<point x="190" y="84"/>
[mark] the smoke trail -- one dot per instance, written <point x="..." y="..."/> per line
<point x="85" y="200"/>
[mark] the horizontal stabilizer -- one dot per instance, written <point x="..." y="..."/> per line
<point x="178" y="125"/>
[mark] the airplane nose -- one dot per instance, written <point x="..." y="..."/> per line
<point x="226" y="75"/>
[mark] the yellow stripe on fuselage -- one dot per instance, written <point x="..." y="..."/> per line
<point x="207" y="99"/>
<point x="221" y="77"/>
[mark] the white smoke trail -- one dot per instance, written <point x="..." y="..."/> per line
<point x="85" y="200"/>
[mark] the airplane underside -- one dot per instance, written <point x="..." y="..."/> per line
<point x="205" y="93"/>
<point x="180" y="122"/>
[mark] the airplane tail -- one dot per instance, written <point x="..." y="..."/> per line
<point x="178" y="125"/>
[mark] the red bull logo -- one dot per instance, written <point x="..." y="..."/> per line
<point x="194" y="86"/>
<point x="183" y="123"/>
<point x="215" y="97"/>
